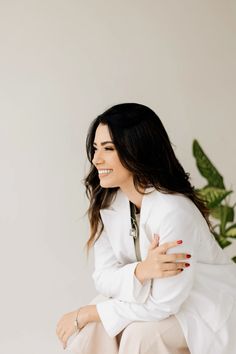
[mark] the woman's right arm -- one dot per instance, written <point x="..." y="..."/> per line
<point x="132" y="282"/>
<point x="158" y="264"/>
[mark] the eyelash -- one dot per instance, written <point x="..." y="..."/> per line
<point x="106" y="148"/>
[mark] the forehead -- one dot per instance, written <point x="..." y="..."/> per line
<point x="102" y="134"/>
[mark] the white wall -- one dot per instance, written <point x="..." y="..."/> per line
<point x="62" y="63"/>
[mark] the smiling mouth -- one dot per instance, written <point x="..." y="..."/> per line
<point x="104" y="172"/>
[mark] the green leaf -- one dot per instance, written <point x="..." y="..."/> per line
<point x="206" y="168"/>
<point x="234" y="259"/>
<point x="229" y="213"/>
<point x="231" y="231"/>
<point x="215" y="212"/>
<point x="220" y="210"/>
<point x="223" y="242"/>
<point x="213" y="196"/>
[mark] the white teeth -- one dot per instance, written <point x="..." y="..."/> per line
<point x="104" y="171"/>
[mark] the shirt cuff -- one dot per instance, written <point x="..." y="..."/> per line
<point x="112" y="323"/>
<point x="141" y="291"/>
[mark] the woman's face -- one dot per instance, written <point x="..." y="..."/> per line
<point x="110" y="170"/>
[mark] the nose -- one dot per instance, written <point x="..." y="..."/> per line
<point x="97" y="158"/>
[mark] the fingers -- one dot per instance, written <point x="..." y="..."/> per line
<point x="170" y="273"/>
<point x="173" y="257"/>
<point x="162" y="249"/>
<point x="157" y="238"/>
<point x="155" y="242"/>
<point x="64" y="339"/>
<point x="173" y="266"/>
<point x="168" y="270"/>
<point x="61" y="336"/>
<point x="63" y="333"/>
<point x="60" y="331"/>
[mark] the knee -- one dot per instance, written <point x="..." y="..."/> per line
<point x="139" y="332"/>
<point x="133" y="329"/>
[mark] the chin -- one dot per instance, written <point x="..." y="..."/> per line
<point x="107" y="185"/>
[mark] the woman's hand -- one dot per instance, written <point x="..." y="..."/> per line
<point x="66" y="327"/>
<point x="158" y="264"/>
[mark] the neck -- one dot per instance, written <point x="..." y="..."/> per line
<point x="133" y="195"/>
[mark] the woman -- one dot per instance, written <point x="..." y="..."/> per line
<point x="154" y="301"/>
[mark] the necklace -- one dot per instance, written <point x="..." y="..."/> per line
<point x="134" y="231"/>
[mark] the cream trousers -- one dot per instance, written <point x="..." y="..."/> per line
<point x="162" y="337"/>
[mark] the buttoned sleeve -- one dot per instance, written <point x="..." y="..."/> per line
<point x="167" y="294"/>
<point x="113" y="279"/>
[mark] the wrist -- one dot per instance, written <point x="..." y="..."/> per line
<point x="93" y="315"/>
<point x="140" y="272"/>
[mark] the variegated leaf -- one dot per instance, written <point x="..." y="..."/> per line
<point x="223" y="209"/>
<point x="231" y="232"/>
<point x="213" y="196"/>
<point x="206" y="168"/>
<point x="223" y="242"/>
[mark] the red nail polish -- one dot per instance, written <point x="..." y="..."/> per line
<point x="187" y="264"/>
<point x="179" y="241"/>
<point x="188" y="255"/>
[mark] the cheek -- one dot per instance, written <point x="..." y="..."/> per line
<point x="125" y="174"/>
<point x="120" y="171"/>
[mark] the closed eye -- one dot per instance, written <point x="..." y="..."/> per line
<point x="105" y="148"/>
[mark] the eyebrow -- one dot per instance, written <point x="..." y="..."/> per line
<point x="104" y="143"/>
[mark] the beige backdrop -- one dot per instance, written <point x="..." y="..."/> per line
<point x="62" y="63"/>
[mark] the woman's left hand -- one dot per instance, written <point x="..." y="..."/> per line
<point x="67" y="325"/>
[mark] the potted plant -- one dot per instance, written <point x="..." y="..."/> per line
<point x="217" y="199"/>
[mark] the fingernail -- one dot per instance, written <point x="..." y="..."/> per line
<point x="179" y="241"/>
<point x="187" y="264"/>
<point x="188" y="256"/>
<point x="181" y="269"/>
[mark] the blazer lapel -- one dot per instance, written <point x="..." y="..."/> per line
<point x="117" y="223"/>
<point x="116" y="219"/>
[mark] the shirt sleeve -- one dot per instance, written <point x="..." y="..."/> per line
<point x="168" y="294"/>
<point x="115" y="280"/>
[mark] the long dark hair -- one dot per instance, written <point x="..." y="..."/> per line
<point x="144" y="148"/>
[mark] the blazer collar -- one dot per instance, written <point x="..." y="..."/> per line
<point x="120" y="204"/>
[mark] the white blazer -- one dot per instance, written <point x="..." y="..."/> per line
<point x="202" y="297"/>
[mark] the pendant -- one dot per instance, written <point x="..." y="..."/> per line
<point x="133" y="233"/>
